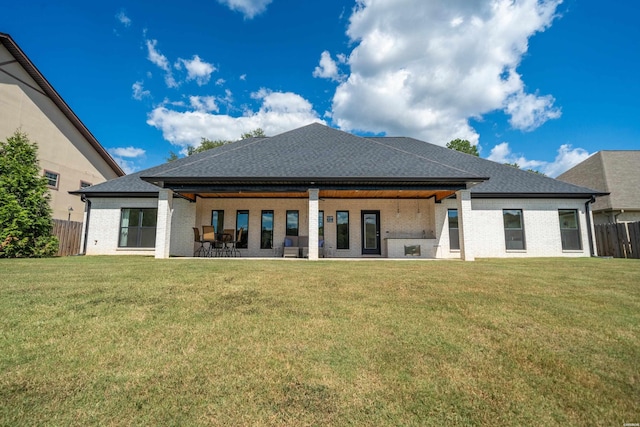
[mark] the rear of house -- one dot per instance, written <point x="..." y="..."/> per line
<point x="348" y="196"/>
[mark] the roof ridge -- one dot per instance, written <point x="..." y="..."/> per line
<point x="416" y="155"/>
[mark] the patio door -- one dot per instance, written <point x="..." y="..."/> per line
<point x="371" y="233"/>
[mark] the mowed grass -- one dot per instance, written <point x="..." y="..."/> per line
<point x="139" y="341"/>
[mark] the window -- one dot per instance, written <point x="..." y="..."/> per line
<point x="217" y="220"/>
<point x="242" y="223"/>
<point x="138" y="228"/>
<point x="454" y="232"/>
<point x="513" y="229"/>
<point x="266" y="237"/>
<point x="53" y="179"/>
<point x="569" y="230"/>
<point x="320" y="223"/>
<point x="342" y="229"/>
<point x="292" y="223"/>
<point x="84" y="184"/>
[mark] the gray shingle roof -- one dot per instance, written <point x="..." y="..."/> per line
<point x="318" y="152"/>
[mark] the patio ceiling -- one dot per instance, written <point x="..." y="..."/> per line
<point x="325" y="194"/>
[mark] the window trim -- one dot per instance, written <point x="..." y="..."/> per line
<point x="348" y="231"/>
<point x="218" y="228"/>
<point x="262" y="229"/>
<point x="286" y="225"/>
<point x="242" y="244"/>
<point x="321" y="223"/>
<point x="521" y="229"/>
<point x="139" y="227"/>
<point x="451" y="248"/>
<point x="53" y="187"/>
<point x="576" y="230"/>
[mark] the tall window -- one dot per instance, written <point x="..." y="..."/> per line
<point x="320" y="223"/>
<point x="513" y="229"/>
<point x="342" y="229"/>
<point x="138" y="228"/>
<point x="266" y="237"/>
<point x="217" y="220"/>
<point x="454" y="232"/>
<point x="242" y="223"/>
<point x="569" y="230"/>
<point x="53" y="179"/>
<point x="292" y="223"/>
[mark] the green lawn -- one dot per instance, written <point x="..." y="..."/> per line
<point x="139" y="341"/>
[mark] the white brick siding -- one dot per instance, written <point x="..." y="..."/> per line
<point x="398" y="218"/>
<point x="104" y="225"/>
<point x="541" y="227"/>
<point x="183" y="220"/>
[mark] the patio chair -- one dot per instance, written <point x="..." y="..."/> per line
<point x="290" y="247"/>
<point x="295" y="246"/>
<point x="201" y="251"/>
<point x="209" y="236"/>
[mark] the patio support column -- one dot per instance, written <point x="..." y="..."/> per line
<point x="465" y="225"/>
<point x="163" y="225"/>
<point x="313" y="223"/>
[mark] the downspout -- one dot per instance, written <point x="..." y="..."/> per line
<point x="587" y="210"/>
<point x="86" y="224"/>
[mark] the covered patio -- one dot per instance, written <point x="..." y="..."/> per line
<point x="335" y="219"/>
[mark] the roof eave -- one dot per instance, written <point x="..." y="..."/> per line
<point x="523" y="195"/>
<point x="168" y="181"/>
<point x="36" y="75"/>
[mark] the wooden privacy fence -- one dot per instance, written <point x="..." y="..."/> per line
<point x="618" y="240"/>
<point x="68" y="233"/>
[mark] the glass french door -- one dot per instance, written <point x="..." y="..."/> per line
<point x="371" y="232"/>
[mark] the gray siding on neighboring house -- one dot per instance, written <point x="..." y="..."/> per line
<point x="616" y="172"/>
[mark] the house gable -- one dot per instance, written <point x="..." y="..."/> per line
<point x="65" y="146"/>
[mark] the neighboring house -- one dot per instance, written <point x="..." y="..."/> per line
<point x="613" y="172"/>
<point x="69" y="155"/>
<point x="355" y="196"/>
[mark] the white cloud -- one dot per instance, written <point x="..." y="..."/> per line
<point x="203" y="103"/>
<point x="279" y="112"/>
<point x="243" y="77"/>
<point x="161" y="62"/>
<point x="123" y="156"/>
<point x="138" y="91"/>
<point x="197" y="69"/>
<point x="529" y="112"/>
<point x="249" y="8"/>
<point x="127" y="152"/>
<point x="424" y="68"/>
<point x="328" y="68"/>
<point x="122" y="17"/>
<point x="566" y="158"/>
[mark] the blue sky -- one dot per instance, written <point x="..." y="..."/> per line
<point x="544" y="83"/>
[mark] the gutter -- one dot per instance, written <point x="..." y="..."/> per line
<point x="587" y="210"/>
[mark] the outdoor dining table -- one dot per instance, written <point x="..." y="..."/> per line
<point x="230" y="243"/>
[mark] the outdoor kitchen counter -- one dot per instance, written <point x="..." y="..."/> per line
<point x="408" y="247"/>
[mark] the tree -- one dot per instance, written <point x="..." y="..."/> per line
<point x="463" y="146"/>
<point x="207" y="144"/>
<point x="25" y="214"/>
<point x="256" y="133"/>
<point x="517" y="166"/>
